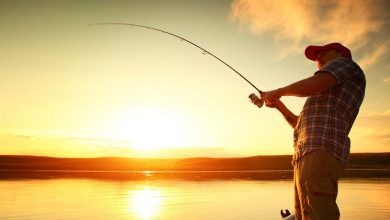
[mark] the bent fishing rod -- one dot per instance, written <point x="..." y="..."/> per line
<point x="253" y="97"/>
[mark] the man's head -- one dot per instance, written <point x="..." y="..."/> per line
<point x="323" y="54"/>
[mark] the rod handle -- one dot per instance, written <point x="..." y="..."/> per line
<point x="256" y="100"/>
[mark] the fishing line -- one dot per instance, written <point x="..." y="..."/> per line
<point x="204" y="51"/>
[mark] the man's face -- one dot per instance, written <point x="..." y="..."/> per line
<point x="325" y="56"/>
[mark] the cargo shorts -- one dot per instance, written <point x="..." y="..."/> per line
<point x="316" y="178"/>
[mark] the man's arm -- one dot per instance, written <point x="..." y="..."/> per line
<point x="317" y="83"/>
<point x="290" y="117"/>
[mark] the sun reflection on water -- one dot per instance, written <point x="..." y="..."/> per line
<point x="145" y="203"/>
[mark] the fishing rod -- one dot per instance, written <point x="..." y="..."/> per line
<point x="257" y="101"/>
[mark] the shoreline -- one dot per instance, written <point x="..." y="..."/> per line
<point x="183" y="175"/>
<point x="362" y="165"/>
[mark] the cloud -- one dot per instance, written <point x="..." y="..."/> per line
<point x="373" y="126"/>
<point x="48" y="134"/>
<point x="100" y="145"/>
<point x="387" y="80"/>
<point x="382" y="135"/>
<point x="374" y="135"/>
<point x="383" y="115"/>
<point x="296" y="23"/>
<point x="373" y="55"/>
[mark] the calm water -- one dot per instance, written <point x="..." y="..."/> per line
<point x="177" y="199"/>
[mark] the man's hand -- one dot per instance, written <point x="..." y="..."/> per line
<point x="271" y="96"/>
<point x="256" y="100"/>
<point x="272" y="104"/>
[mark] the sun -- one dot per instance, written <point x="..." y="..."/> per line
<point x="150" y="128"/>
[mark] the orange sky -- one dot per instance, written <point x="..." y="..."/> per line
<point x="73" y="90"/>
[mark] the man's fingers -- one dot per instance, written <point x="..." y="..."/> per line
<point x="270" y="104"/>
<point x="271" y="95"/>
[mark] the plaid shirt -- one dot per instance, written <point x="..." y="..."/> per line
<point x="327" y="117"/>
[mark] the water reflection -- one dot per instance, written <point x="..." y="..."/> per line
<point x="145" y="203"/>
<point x="176" y="199"/>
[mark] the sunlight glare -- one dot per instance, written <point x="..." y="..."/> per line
<point x="150" y="128"/>
<point x="145" y="203"/>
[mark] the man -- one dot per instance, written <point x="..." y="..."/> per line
<point x="321" y="143"/>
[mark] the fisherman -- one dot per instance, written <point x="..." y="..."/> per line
<point x="321" y="143"/>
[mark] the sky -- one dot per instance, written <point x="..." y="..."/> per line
<point x="68" y="89"/>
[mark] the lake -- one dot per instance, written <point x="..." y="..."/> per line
<point x="83" y="198"/>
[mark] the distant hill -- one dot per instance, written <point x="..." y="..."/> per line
<point x="279" y="162"/>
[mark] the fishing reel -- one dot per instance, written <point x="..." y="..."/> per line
<point x="256" y="100"/>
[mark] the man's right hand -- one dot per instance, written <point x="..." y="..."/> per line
<point x="272" y="103"/>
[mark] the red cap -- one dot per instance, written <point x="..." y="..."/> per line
<point x="312" y="52"/>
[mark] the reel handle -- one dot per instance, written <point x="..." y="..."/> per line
<point x="256" y="100"/>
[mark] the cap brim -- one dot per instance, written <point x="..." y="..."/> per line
<point x="312" y="52"/>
